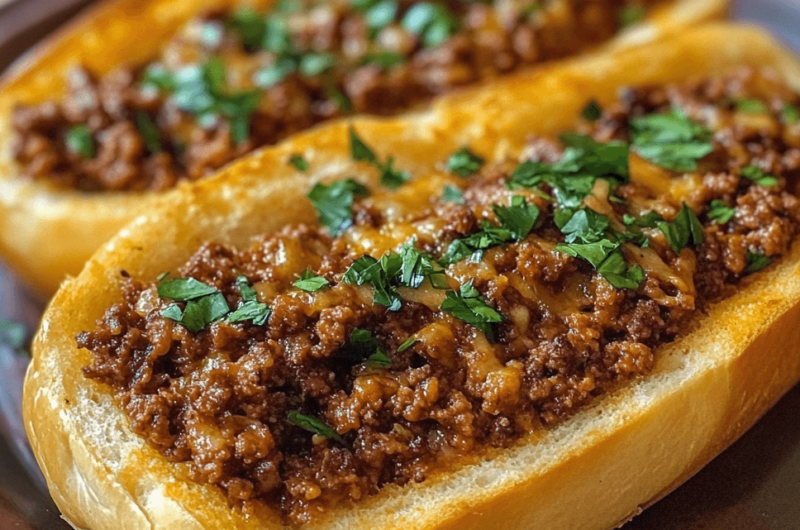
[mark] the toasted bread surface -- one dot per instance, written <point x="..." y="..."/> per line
<point x="47" y="233"/>
<point x="592" y="472"/>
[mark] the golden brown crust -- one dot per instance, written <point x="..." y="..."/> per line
<point x="46" y="234"/>
<point x="590" y="473"/>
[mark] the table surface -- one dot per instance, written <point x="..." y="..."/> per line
<point x="754" y="485"/>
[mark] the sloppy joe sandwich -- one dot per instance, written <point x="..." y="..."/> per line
<point x="540" y="305"/>
<point x="138" y="96"/>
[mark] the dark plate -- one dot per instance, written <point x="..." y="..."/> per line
<point x="754" y="485"/>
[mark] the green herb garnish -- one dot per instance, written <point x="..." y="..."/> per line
<point x="759" y="176"/>
<point x="464" y="162"/>
<point x="79" y="140"/>
<point x="720" y="212"/>
<point x="790" y="114"/>
<point x="756" y="262"/>
<point x="314" y="426"/>
<point x="199" y="312"/>
<point x="592" y="111"/>
<point x="334" y="203"/>
<point x="251" y="27"/>
<point x="469" y="306"/>
<point x="310" y="282"/>
<point x="380" y="274"/>
<point x="364" y="345"/>
<point x="389" y="176"/>
<point x="407" y="344"/>
<point x="184" y="289"/>
<point x="453" y="194"/>
<point x="298" y="162"/>
<point x="149" y="131"/>
<point x="683" y="229"/>
<point x="432" y="22"/>
<point x="751" y="106"/>
<point x="671" y="140"/>
<point x="519" y="218"/>
<point x="385" y="60"/>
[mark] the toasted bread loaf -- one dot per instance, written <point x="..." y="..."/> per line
<point x="592" y="472"/>
<point x="46" y="233"/>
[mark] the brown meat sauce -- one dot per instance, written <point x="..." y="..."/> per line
<point x="490" y="40"/>
<point x="219" y="399"/>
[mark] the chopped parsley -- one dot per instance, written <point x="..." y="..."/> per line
<point x="759" y="176"/>
<point x="381" y="14"/>
<point x="384" y="59"/>
<point x="671" y="140"/>
<point x="251" y="310"/>
<point x="408" y="268"/>
<point x="720" y="212"/>
<point x="683" y="229"/>
<point x="790" y="114"/>
<point x="247" y="292"/>
<point x="453" y="194"/>
<point x="432" y="22"/>
<point x="464" y="162"/>
<point x="184" y="289"/>
<point x="149" y="131"/>
<point x="519" y="218"/>
<point x="389" y="176"/>
<point x="364" y="346"/>
<point x="203" y="92"/>
<point x="298" y="162"/>
<point x="199" y="312"/>
<point x="751" y="106"/>
<point x="251" y="27"/>
<point x="313" y="64"/>
<point x="573" y="177"/>
<point x="588" y="236"/>
<point x="309" y="282"/>
<point x="276" y="72"/>
<point x="79" y="140"/>
<point x="592" y="111"/>
<point x="407" y="344"/>
<point x="314" y="426"/>
<point x="334" y="203"/>
<point x="756" y="262"/>
<point x="469" y="306"/>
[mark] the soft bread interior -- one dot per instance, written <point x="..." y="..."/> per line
<point x="45" y="233"/>
<point x="592" y="472"/>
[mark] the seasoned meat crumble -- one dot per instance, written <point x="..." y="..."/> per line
<point x="231" y="82"/>
<point x="510" y="336"/>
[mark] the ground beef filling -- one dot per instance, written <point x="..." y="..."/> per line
<point x="219" y="399"/>
<point x="141" y="138"/>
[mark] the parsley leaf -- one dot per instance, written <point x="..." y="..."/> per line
<point x="616" y="271"/>
<point x="407" y="344"/>
<point x="274" y="73"/>
<point x="79" y="140"/>
<point x="389" y="176"/>
<point x="573" y="177"/>
<point x="149" y="131"/>
<point x="386" y="60"/>
<point x="364" y="345"/>
<point x="381" y="14"/>
<point x="751" y="106"/>
<point x="250" y="26"/>
<point x="683" y="229"/>
<point x="199" y="312"/>
<point x="184" y="289"/>
<point x="313" y="64"/>
<point x="453" y="194"/>
<point x="473" y="245"/>
<point x="464" y="162"/>
<point x="671" y="140"/>
<point x="469" y="306"/>
<point x="366" y="270"/>
<point x="247" y="292"/>
<point x="417" y="265"/>
<point x="790" y="114"/>
<point x="309" y="282"/>
<point x="585" y="226"/>
<point x="334" y="203"/>
<point x="720" y="212"/>
<point x="298" y="162"/>
<point x="431" y="21"/>
<point x="313" y="425"/>
<point x="759" y="176"/>
<point x="519" y="218"/>
<point x="257" y="312"/>
<point x="756" y="262"/>
<point x="592" y="111"/>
